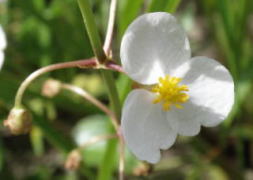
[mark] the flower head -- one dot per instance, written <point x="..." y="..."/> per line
<point x="51" y="88"/>
<point x="184" y="92"/>
<point x="19" y="121"/>
<point x="73" y="160"/>
<point x="2" y="46"/>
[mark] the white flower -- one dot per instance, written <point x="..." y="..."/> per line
<point x="2" y="46"/>
<point x="184" y="92"/>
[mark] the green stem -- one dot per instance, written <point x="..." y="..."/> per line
<point x="99" y="52"/>
<point x="113" y="93"/>
<point x="90" y="25"/>
<point x="106" y="168"/>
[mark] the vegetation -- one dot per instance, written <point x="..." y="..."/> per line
<point x="44" y="32"/>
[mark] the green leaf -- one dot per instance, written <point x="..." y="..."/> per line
<point x="39" y="5"/>
<point x="101" y="153"/>
<point x="87" y="128"/>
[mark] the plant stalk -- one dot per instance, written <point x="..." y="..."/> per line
<point x="91" y="28"/>
<point x="89" y="63"/>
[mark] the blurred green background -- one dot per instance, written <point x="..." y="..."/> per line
<point x="42" y="32"/>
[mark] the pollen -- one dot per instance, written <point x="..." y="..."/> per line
<point x="169" y="92"/>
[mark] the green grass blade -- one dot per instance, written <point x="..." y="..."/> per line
<point x="92" y="30"/>
<point x="172" y="6"/>
<point x="163" y="5"/>
<point x="108" y="164"/>
<point x="157" y="5"/>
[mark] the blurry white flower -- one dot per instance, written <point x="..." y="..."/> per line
<point x="2" y="46"/>
<point x="185" y="92"/>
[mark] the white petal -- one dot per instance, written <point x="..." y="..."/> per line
<point x="1" y="59"/>
<point x="185" y="121"/>
<point x="2" y="39"/>
<point x="211" y="88"/>
<point x="153" y="45"/>
<point x="144" y="126"/>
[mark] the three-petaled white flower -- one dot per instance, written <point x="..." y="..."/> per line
<point x="184" y="92"/>
<point x="2" y="46"/>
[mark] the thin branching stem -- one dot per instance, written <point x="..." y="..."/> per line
<point x="96" y="139"/>
<point x="107" y="48"/>
<point x="113" y="66"/>
<point x="93" y="100"/>
<point x="109" y="33"/>
<point x="88" y="63"/>
<point x="121" y="158"/>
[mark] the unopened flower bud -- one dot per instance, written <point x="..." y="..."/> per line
<point x="19" y="121"/>
<point x="51" y="88"/>
<point x="143" y="169"/>
<point x="73" y="160"/>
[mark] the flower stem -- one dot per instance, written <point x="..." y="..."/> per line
<point x="109" y="33"/>
<point x="89" y="22"/>
<point x="80" y="63"/>
<point x="106" y="168"/>
<point x="113" y="66"/>
<point x="96" y="139"/>
<point x="105" y="171"/>
<point x="94" y="101"/>
<point x="121" y="158"/>
<point x="98" y="50"/>
<point x="92" y="30"/>
<point x="113" y="93"/>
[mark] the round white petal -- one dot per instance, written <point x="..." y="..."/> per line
<point x="153" y="45"/>
<point x="211" y="88"/>
<point x="186" y="121"/>
<point x="144" y="126"/>
<point x="1" y="59"/>
<point x="2" y="39"/>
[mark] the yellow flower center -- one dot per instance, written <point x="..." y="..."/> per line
<point x="169" y="92"/>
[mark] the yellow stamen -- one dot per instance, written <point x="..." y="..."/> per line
<point x="169" y="92"/>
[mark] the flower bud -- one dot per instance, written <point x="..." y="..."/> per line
<point x="19" y="121"/>
<point x="73" y="160"/>
<point x="143" y="169"/>
<point x="51" y="88"/>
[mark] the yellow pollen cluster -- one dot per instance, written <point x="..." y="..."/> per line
<point x="170" y="93"/>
